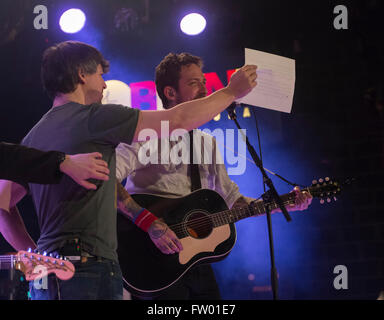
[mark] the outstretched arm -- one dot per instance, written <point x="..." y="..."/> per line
<point x="29" y="165"/>
<point x="193" y="114"/>
<point x="162" y="236"/>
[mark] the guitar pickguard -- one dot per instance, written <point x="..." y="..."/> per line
<point x="193" y="246"/>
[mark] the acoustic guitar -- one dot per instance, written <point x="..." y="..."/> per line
<point x="205" y="227"/>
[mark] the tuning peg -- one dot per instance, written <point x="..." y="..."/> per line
<point x="322" y="201"/>
<point x="321" y="180"/>
<point x="327" y="179"/>
<point x="328" y="200"/>
<point x="334" y="198"/>
<point x="314" y="182"/>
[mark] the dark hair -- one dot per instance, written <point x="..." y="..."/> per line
<point x="168" y="72"/>
<point x="62" y="62"/>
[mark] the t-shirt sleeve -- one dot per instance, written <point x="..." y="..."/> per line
<point x="113" y="123"/>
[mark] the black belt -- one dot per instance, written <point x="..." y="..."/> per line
<point x="72" y="250"/>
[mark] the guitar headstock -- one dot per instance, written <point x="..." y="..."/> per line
<point x="36" y="265"/>
<point x="325" y="189"/>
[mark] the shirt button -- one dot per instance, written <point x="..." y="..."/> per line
<point x="112" y="273"/>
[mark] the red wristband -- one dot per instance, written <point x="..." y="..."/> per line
<point x="145" y="219"/>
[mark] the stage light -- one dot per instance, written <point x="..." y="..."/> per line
<point x="193" y="24"/>
<point x="72" y="21"/>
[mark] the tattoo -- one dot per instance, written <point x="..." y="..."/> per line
<point x="157" y="229"/>
<point x="240" y="203"/>
<point x="126" y="204"/>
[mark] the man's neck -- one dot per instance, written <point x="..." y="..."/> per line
<point x="75" y="96"/>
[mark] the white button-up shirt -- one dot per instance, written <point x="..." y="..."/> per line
<point x="168" y="174"/>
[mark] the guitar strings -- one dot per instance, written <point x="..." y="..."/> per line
<point x="237" y="211"/>
<point x="206" y="221"/>
<point x="179" y="227"/>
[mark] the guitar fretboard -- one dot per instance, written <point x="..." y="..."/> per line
<point x="218" y="219"/>
<point x="7" y="262"/>
<point x="255" y="209"/>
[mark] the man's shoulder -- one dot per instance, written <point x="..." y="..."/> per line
<point x="108" y="106"/>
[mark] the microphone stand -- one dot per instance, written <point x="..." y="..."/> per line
<point x="268" y="197"/>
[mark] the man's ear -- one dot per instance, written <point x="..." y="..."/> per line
<point x="170" y="93"/>
<point x="81" y="75"/>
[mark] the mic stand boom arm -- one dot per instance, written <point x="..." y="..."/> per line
<point x="268" y="197"/>
<point x="273" y="193"/>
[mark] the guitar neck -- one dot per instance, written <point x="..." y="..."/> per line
<point x="7" y="262"/>
<point x="256" y="209"/>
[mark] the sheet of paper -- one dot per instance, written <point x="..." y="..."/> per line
<point x="275" y="81"/>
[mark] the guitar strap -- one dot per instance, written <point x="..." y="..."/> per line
<point x="194" y="172"/>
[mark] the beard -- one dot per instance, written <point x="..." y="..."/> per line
<point x="200" y="95"/>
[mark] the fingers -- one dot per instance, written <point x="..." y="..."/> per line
<point x="99" y="176"/>
<point x="87" y="185"/>
<point x="96" y="155"/>
<point x="303" y="199"/>
<point x="249" y="68"/>
<point x="101" y="163"/>
<point x="250" y="72"/>
<point x="102" y="169"/>
<point x="169" y="245"/>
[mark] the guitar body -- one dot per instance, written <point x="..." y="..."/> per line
<point x="146" y="270"/>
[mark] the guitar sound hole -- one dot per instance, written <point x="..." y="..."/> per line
<point x="198" y="225"/>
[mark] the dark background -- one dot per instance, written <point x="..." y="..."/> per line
<point x="335" y="127"/>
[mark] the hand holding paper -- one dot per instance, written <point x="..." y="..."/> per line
<point x="243" y="81"/>
<point x="275" y="81"/>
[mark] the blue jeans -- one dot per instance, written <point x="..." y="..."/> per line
<point x="93" y="280"/>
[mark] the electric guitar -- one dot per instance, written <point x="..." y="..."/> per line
<point x="36" y="266"/>
<point x="205" y="227"/>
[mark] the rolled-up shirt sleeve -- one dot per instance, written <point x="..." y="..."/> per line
<point x="126" y="160"/>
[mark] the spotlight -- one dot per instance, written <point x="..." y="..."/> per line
<point x="193" y="24"/>
<point x="72" y="21"/>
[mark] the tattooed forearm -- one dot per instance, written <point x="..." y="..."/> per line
<point x="126" y="204"/>
<point x="240" y="203"/>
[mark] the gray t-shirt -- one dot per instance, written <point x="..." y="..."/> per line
<point x="67" y="210"/>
